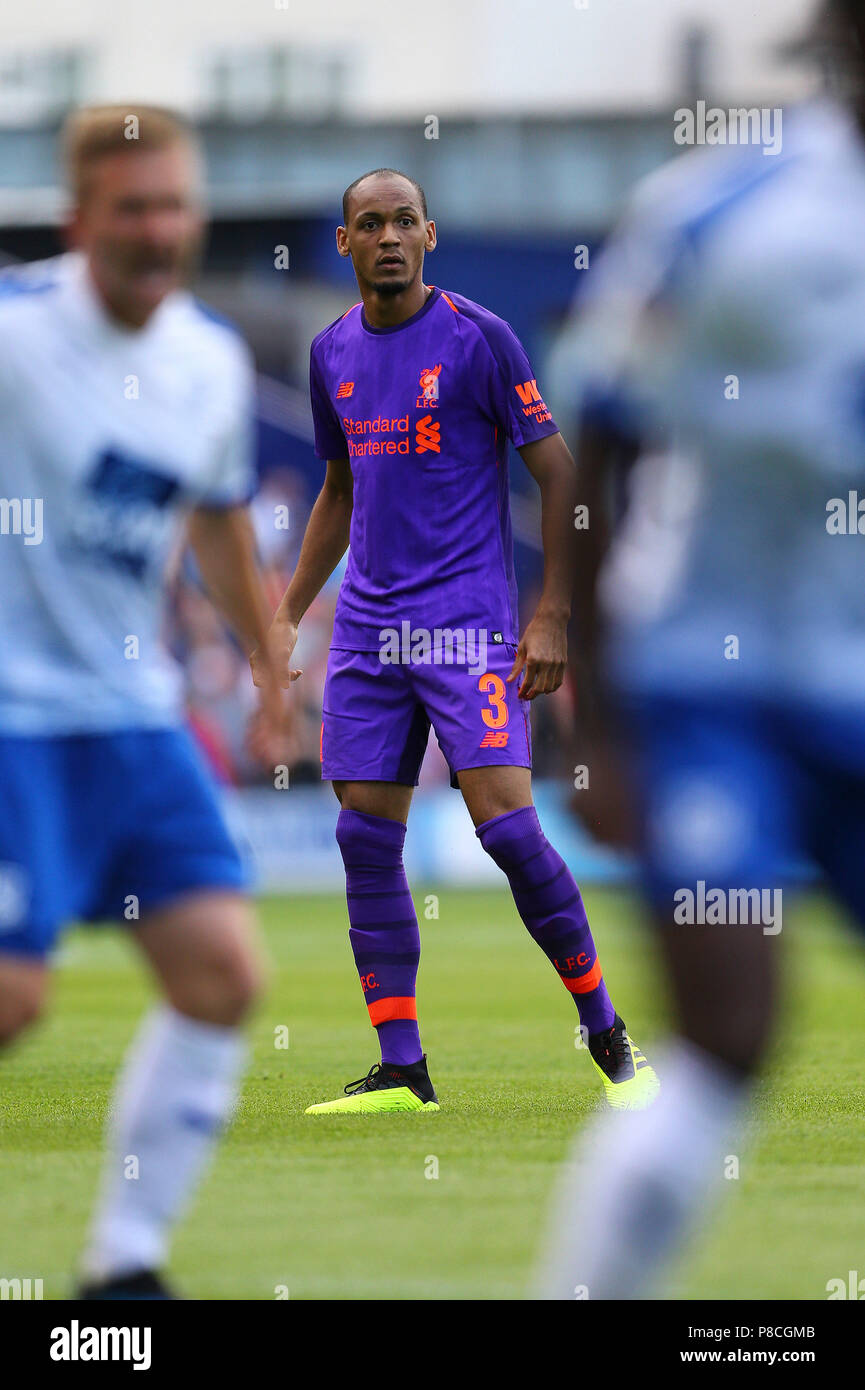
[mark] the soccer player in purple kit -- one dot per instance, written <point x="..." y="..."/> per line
<point x="415" y="393"/>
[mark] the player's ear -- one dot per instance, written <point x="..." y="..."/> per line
<point x="342" y="241"/>
<point x="430" y="243"/>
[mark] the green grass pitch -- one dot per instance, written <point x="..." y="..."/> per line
<point x="342" y="1208"/>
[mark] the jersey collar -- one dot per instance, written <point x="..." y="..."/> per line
<point x="406" y="323"/>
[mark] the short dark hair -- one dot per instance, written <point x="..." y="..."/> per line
<point x="370" y="174"/>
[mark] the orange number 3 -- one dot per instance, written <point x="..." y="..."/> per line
<point x="494" y="688"/>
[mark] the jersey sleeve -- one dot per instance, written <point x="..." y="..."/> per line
<point x="508" y="389"/>
<point x="233" y="478"/>
<point x="330" y="440"/>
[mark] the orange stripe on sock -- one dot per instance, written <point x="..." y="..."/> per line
<point x="383" y="1010"/>
<point x="590" y="980"/>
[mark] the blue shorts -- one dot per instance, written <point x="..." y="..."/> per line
<point x="377" y="716"/>
<point x="90" y="823"/>
<point x="749" y="794"/>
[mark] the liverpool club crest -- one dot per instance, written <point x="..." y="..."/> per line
<point x="429" y="383"/>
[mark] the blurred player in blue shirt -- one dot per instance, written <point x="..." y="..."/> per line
<point x="127" y="418"/>
<point x="722" y="347"/>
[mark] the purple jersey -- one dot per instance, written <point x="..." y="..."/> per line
<point x="424" y="411"/>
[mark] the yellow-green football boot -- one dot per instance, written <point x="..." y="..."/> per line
<point x="629" y="1081"/>
<point x="387" y="1089"/>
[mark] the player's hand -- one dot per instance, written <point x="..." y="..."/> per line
<point x="272" y="662"/>
<point x="541" y="656"/>
<point x="268" y="733"/>
<point x="268" y="738"/>
<point x="268" y="726"/>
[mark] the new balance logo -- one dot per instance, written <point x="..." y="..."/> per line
<point x="344" y="389"/>
<point x="428" y="435"/>
<point x="494" y="741"/>
<point x="528" y="391"/>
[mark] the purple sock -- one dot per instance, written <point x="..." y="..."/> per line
<point x="549" y="902"/>
<point x="384" y="931"/>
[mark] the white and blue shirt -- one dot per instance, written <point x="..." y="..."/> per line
<point x="109" y="437"/>
<point x="724" y="326"/>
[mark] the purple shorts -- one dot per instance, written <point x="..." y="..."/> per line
<point x="377" y="716"/>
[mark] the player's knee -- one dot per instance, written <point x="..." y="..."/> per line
<point x="352" y="836"/>
<point x="224" y="987"/>
<point x="239" y="984"/>
<point x="366" y="840"/>
<point x="244" y="987"/>
<point x="513" y="841"/>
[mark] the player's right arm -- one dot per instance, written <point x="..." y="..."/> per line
<point x="325" y="541"/>
<point x="620" y="330"/>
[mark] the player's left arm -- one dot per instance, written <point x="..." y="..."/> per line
<point x="221" y="533"/>
<point x="542" y="654"/>
<point x="224" y="544"/>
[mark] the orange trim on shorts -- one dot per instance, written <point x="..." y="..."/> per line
<point x="383" y="1010"/>
<point x="449" y="301"/>
<point x="590" y="980"/>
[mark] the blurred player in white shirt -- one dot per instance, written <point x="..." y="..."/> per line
<point x="723" y="347"/>
<point x="127" y="418"/>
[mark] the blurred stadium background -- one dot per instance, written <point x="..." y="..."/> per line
<point x="544" y="116"/>
<point x="526" y="124"/>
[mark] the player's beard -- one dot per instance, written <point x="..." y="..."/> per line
<point x="388" y="289"/>
<point x="179" y="262"/>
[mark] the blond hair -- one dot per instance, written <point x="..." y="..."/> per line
<point x="92" y="132"/>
